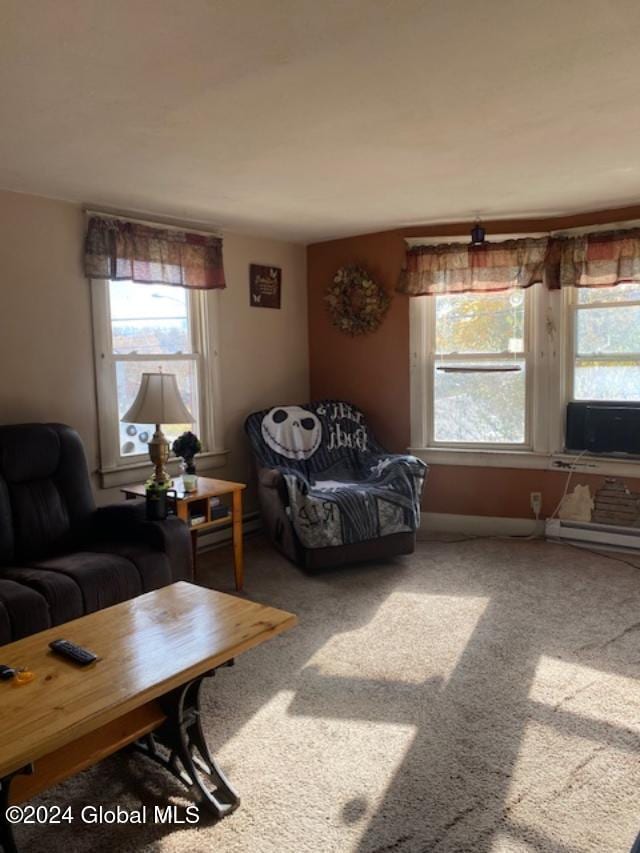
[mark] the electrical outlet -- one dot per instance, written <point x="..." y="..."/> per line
<point x="535" y="499"/>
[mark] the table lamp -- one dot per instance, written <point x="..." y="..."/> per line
<point x="158" y="402"/>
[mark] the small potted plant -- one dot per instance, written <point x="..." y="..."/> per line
<point x="186" y="446"/>
<point x="157" y="499"/>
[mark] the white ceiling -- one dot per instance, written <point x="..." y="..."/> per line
<point x="310" y="119"/>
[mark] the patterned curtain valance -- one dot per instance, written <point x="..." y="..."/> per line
<point x="118" y="249"/>
<point x="461" y="268"/>
<point x="600" y="259"/>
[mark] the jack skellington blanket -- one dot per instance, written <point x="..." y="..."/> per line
<point x="343" y="487"/>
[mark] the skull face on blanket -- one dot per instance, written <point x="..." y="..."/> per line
<point x="343" y="487"/>
<point x="292" y="432"/>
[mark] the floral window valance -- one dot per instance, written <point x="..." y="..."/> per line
<point x="119" y="249"/>
<point x="590" y="260"/>
<point x="599" y="259"/>
<point x="461" y="268"/>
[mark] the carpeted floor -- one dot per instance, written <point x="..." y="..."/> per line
<point x="478" y="696"/>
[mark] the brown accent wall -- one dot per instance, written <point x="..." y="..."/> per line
<point x="501" y="492"/>
<point x="372" y="371"/>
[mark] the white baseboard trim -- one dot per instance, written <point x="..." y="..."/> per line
<point x="215" y="538"/>
<point x="477" y="525"/>
<point x="430" y="522"/>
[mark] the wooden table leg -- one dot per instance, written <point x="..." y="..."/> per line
<point x="238" y="565"/>
<point x="194" y="550"/>
<point x="182" y="511"/>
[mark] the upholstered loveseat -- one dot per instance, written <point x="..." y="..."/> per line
<point x="60" y="556"/>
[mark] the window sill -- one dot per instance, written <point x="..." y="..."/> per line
<point x="136" y="472"/>
<point x="483" y="458"/>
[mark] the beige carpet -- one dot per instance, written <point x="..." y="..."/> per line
<point x="478" y="696"/>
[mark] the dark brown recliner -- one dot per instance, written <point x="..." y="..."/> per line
<point x="60" y="556"/>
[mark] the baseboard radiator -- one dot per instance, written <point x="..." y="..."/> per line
<point x="590" y="535"/>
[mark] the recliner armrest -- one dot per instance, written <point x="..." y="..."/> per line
<point x="128" y="522"/>
<point x="174" y="538"/>
<point x="271" y="478"/>
<point x="118" y="519"/>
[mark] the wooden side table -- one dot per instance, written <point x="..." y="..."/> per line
<point x="191" y="505"/>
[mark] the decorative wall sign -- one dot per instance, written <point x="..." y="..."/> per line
<point x="356" y="304"/>
<point x="264" y="286"/>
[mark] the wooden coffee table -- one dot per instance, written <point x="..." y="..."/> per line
<point x="155" y="652"/>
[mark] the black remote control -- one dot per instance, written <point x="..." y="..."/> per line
<point x="77" y="654"/>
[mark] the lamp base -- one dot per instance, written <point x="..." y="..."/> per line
<point x="159" y="455"/>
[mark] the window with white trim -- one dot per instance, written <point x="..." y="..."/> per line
<point x="149" y="327"/>
<point x="580" y="344"/>
<point x="605" y="338"/>
<point x="478" y="369"/>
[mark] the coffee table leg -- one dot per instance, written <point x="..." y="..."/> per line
<point x="194" y="553"/>
<point x="238" y="559"/>
<point x="189" y="759"/>
<point x="7" y="838"/>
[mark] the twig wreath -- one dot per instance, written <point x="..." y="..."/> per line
<point x="356" y="304"/>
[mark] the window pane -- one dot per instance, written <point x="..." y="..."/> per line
<point x="134" y="437"/>
<point x="603" y="331"/>
<point x="619" y="293"/>
<point x="482" y="323"/>
<point x="480" y="407"/>
<point x="596" y="380"/>
<point x="149" y="318"/>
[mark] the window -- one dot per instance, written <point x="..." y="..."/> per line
<point x="151" y="330"/>
<point x="606" y="343"/>
<point x="478" y="365"/>
<point x="492" y="373"/>
<point x="145" y="327"/>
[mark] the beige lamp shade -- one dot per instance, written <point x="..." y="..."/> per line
<point x="158" y="402"/>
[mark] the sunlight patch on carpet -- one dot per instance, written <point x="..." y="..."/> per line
<point x="504" y="843"/>
<point x="423" y="636"/>
<point x="560" y="777"/>
<point x="350" y="766"/>
<point x="589" y="693"/>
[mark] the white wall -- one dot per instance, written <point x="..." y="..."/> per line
<point x="264" y="352"/>
<point x="46" y="352"/>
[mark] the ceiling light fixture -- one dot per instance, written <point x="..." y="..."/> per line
<point x="478" y="234"/>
